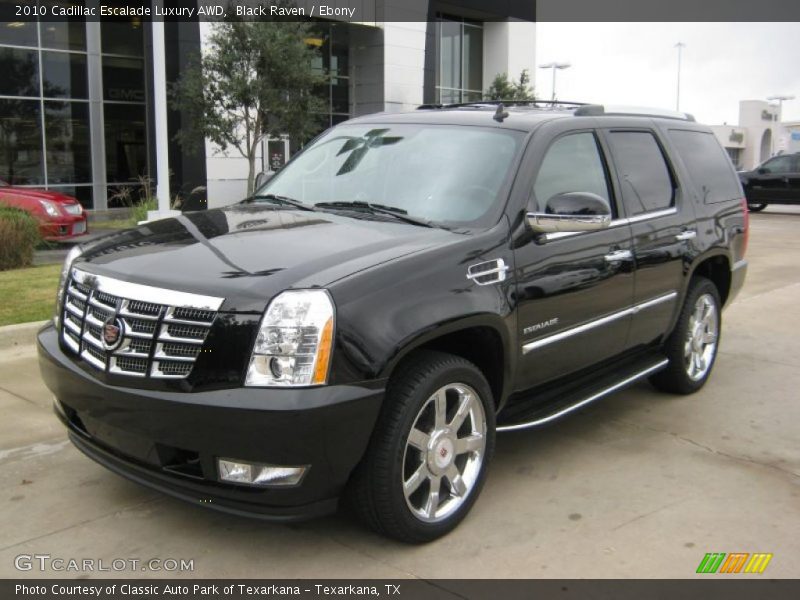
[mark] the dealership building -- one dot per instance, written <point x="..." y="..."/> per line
<point x="76" y="96"/>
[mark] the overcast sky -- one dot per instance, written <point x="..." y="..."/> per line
<point x="636" y="64"/>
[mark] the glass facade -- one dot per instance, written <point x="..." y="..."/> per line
<point x="45" y="133"/>
<point x="124" y="110"/>
<point x="53" y="126"/>
<point x="459" y="60"/>
<point x="333" y="41"/>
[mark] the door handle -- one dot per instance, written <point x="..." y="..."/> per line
<point x="689" y="234"/>
<point x="618" y="256"/>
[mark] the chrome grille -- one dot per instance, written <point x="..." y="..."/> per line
<point x="163" y="331"/>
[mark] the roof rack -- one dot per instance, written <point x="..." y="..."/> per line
<point x="493" y="103"/>
<point x="599" y="110"/>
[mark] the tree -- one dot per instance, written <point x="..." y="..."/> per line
<point x="255" y="80"/>
<point x="503" y="89"/>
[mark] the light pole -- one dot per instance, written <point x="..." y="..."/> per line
<point x="554" y="66"/>
<point x="779" y="99"/>
<point x="680" y="46"/>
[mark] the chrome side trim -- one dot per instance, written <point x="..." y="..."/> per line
<point x="631" y="310"/>
<point x="146" y="293"/>
<point x="596" y="396"/>
<point x="619" y="222"/>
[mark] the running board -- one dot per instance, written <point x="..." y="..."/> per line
<point x="580" y="403"/>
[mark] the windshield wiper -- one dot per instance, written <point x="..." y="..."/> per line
<point x="398" y="213"/>
<point x="278" y="199"/>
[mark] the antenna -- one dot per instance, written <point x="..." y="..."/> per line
<point x="500" y="114"/>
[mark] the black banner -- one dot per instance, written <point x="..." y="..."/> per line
<point x="597" y="589"/>
<point x="377" y="11"/>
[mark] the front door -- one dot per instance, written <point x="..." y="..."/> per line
<point x="772" y="182"/>
<point x="571" y="289"/>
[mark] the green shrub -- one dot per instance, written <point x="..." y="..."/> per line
<point x="19" y="235"/>
<point x="139" y="211"/>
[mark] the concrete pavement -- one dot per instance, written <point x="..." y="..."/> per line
<point x="642" y="484"/>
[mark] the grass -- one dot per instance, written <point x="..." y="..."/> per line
<point x="112" y="224"/>
<point x="28" y="294"/>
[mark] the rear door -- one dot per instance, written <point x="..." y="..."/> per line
<point x="571" y="289"/>
<point x="662" y="226"/>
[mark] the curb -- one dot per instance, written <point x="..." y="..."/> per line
<point x="19" y="336"/>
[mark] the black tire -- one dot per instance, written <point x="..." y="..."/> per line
<point x="676" y="378"/>
<point x="376" y="490"/>
<point x="756" y="206"/>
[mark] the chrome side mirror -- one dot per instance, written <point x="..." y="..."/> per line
<point x="571" y="212"/>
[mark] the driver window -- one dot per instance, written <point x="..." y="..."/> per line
<point x="573" y="163"/>
<point x="782" y="164"/>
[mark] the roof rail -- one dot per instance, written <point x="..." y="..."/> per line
<point x="599" y="110"/>
<point x="531" y="103"/>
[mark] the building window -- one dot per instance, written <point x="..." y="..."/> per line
<point x="459" y="60"/>
<point x="44" y="113"/>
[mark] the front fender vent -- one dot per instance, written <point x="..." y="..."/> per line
<point x="489" y="272"/>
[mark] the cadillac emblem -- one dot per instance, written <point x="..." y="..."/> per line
<point x="112" y="333"/>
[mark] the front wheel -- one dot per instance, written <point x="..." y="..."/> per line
<point x="692" y="346"/>
<point x="427" y="460"/>
<point x="756" y="206"/>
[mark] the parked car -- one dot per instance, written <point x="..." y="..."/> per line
<point x="776" y="181"/>
<point x="61" y="217"/>
<point x="365" y="323"/>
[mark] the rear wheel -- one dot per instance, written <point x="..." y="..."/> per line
<point x="756" y="206"/>
<point x="427" y="460"/>
<point x="692" y="346"/>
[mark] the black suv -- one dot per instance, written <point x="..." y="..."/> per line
<point x="406" y="287"/>
<point x="776" y="181"/>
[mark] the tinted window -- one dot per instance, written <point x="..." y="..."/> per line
<point x="64" y="75"/>
<point x="572" y="164"/>
<point x="19" y="72"/>
<point x="708" y="165"/>
<point x="781" y="164"/>
<point x="644" y="177"/>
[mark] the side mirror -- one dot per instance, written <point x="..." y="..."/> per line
<point x="571" y="211"/>
<point x="763" y="171"/>
<point x="263" y="178"/>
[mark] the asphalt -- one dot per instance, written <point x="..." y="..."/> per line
<point x="641" y="484"/>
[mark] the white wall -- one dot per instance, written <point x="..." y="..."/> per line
<point x="508" y="47"/>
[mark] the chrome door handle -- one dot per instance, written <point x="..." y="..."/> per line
<point x="618" y="256"/>
<point x="689" y="234"/>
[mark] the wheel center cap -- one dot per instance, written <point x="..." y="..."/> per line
<point x="441" y="454"/>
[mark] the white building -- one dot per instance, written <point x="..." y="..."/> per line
<point x="759" y="134"/>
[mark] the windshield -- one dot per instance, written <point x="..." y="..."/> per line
<point x="438" y="173"/>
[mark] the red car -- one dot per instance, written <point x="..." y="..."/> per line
<point x="60" y="217"/>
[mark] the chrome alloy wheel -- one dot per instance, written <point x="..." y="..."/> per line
<point x="444" y="452"/>
<point x="701" y="337"/>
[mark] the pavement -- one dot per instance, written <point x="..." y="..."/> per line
<point x="641" y="484"/>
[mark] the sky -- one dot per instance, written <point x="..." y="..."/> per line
<point x="636" y="64"/>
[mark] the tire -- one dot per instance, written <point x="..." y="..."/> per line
<point x="756" y="206"/>
<point x="395" y="459"/>
<point x="692" y="347"/>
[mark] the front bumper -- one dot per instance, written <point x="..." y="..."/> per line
<point x="64" y="228"/>
<point x="170" y="440"/>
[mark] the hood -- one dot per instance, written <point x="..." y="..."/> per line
<point x="248" y="253"/>
<point x="50" y="195"/>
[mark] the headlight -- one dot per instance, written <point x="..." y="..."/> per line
<point x="74" y="253"/>
<point x="294" y="342"/>
<point x="50" y="208"/>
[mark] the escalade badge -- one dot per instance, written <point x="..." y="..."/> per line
<point x="112" y="333"/>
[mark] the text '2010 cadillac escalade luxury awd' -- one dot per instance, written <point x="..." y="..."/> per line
<point x="406" y="287"/>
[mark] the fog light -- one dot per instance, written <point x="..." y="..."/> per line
<point x="258" y="474"/>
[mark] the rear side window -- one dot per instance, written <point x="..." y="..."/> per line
<point x="644" y="176"/>
<point x="708" y="165"/>
<point x="572" y="164"/>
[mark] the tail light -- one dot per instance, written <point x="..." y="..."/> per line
<point x="746" y="228"/>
